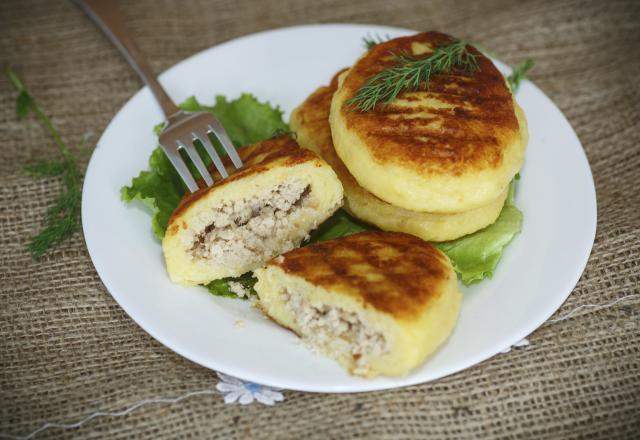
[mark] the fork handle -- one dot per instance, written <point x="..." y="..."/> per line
<point x="106" y="16"/>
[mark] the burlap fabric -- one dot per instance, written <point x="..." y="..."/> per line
<point x="67" y="349"/>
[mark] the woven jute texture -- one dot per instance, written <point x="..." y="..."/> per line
<point x="68" y="350"/>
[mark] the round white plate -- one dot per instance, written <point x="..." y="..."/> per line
<point x="537" y="272"/>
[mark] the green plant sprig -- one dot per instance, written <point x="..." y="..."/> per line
<point x="63" y="217"/>
<point x="410" y="74"/>
<point x="518" y="74"/>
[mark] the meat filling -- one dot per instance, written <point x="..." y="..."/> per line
<point x="336" y="331"/>
<point x="256" y="228"/>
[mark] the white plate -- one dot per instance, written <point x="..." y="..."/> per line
<point x="536" y="274"/>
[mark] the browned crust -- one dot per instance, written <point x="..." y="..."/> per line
<point x="392" y="272"/>
<point x="313" y="115"/>
<point x="257" y="158"/>
<point x="470" y="135"/>
<point x="314" y="112"/>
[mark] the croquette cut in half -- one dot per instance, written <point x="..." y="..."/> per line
<point x="310" y="121"/>
<point x="266" y="208"/>
<point x="451" y="147"/>
<point x="377" y="302"/>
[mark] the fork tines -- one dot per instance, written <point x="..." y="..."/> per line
<point x="182" y="135"/>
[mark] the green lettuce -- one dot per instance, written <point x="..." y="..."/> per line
<point x="160" y="189"/>
<point x="221" y="287"/>
<point x="476" y="255"/>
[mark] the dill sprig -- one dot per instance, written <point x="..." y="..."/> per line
<point x="518" y="74"/>
<point x="373" y="40"/>
<point x="63" y="217"/>
<point x="410" y="74"/>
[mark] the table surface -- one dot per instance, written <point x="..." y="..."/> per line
<point x="68" y="350"/>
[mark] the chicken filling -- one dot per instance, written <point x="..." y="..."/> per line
<point x="336" y="331"/>
<point x="256" y="228"/>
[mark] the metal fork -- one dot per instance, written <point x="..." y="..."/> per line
<point x="183" y="128"/>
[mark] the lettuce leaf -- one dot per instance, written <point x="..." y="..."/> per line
<point x="476" y="255"/>
<point x="221" y="287"/>
<point x="160" y="188"/>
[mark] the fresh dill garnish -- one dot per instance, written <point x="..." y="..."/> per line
<point x="370" y="41"/>
<point x="410" y="74"/>
<point x="519" y="73"/>
<point x="63" y="217"/>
